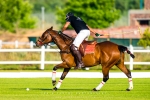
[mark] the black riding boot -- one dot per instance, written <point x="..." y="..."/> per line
<point x="77" y="55"/>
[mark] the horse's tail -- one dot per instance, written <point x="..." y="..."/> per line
<point x="123" y="49"/>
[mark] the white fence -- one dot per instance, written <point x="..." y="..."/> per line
<point x="17" y="44"/>
<point x="131" y="62"/>
<point x="42" y="62"/>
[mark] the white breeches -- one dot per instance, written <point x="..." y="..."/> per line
<point x="82" y="35"/>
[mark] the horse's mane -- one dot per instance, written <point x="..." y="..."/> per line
<point x="66" y="37"/>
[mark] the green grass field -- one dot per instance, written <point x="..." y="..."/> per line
<point x="73" y="89"/>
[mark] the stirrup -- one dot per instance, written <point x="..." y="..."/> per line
<point x="80" y="66"/>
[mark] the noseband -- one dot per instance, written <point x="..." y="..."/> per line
<point x="41" y="41"/>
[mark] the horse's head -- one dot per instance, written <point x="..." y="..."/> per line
<point x="45" y="38"/>
<point x="60" y="39"/>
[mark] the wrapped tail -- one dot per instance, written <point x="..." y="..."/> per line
<point x="123" y="49"/>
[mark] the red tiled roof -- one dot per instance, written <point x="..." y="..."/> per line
<point x="119" y="32"/>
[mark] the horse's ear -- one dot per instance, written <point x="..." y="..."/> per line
<point x="51" y="28"/>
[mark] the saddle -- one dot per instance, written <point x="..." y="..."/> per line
<point x="87" y="47"/>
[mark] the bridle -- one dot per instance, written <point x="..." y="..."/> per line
<point x="41" y="41"/>
<point x="53" y="39"/>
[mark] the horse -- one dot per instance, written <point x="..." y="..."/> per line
<point x="105" y="53"/>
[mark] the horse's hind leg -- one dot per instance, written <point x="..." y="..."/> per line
<point x="127" y="72"/>
<point x="65" y="72"/>
<point x="105" y="71"/>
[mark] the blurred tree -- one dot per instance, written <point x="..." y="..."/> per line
<point x="96" y="13"/>
<point x="145" y="40"/>
<point x="15" y="13"/>
<point x="49" y="5"/>
<point x="125" y="5"/>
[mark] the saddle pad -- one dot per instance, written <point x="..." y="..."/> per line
<point x="87" y="47"/>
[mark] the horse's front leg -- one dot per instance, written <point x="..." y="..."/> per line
<point x="62" y="65"/>
<point x="65" y="72"/>
<point x="54" y="75"/>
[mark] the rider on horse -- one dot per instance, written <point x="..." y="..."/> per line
<point x="83" y="32"/>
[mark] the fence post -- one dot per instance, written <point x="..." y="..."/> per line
<point x="0" y="44"/>
<point x="43" y="16"/>
<point x="16" y="44"/>
<point x="131" y="59"/>
<point x="48" y="46"/>
<point x="42" y="57"/>
<point x="31" y="45"/>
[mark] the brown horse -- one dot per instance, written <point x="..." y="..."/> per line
<point x="105" y="53"/>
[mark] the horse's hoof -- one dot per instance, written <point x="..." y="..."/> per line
<point x="128" y="89"/>
<point x="54" y="83"/>
<point x="95" y="89"/>
<point x="54" y="89"/>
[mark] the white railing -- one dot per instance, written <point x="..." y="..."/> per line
<point x="42" y="62"/>
<point x="131" y="62"/>
<point x="16" y="44"/>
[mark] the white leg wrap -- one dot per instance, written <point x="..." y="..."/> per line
<point x="59" y="83"/>
<point x="130" y="84"/>
<point x="54" y="75"/>
<point x="100" y="85"/>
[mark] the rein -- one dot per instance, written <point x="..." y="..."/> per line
<point x="63" y="36"/>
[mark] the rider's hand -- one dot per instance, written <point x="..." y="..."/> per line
<point x="98" y="35"/>
<point x="59" y="32"/>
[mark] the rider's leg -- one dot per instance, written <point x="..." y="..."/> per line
<point x="78" y="57"/>
<point x="78" y="40"/>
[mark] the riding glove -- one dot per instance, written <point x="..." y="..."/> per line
<point x="98" y="35"/>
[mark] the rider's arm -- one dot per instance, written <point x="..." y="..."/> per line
<point x="96" y="34"/>
<point x="65" y="26"/>
<point x="91" y="29"/>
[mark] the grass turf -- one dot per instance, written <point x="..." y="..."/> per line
<point x="73" y="89"/>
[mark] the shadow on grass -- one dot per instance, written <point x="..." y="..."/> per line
<point x="68" y="89"/>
